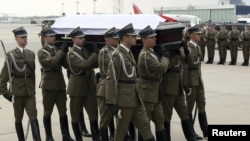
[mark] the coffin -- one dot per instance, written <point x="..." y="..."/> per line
<point x="169" y="34"/>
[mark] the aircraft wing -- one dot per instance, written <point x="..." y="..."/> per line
<point x="97" y="24"/>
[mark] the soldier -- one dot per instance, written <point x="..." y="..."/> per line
<point x="121" y="94"/>
<point x="52" y="83"/>
<point x="234" y="41"/>
<point x="211" y="41"/>
<point x="171" y="90"/>
<point x="202" y="42"/>
<point x="150" y="69"/>
<point x="222" y="37"/>
<point x="245" y="35"/>
<point x="21" y="67"/>
<point x="81" y="86"/>
<point x="106" y="117"/>
<point x="195" y="82"/>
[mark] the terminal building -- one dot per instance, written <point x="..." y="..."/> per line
<point x="226" y="11"/>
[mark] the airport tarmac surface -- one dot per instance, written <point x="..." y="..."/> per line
<point x="227" y="90"/>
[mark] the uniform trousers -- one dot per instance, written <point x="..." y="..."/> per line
<point x="78" y="102"/>
<point x="197" y="96"/>
<point x="25" y="102"/>
<point x="178" y="102"/>
<point x="155" y="113"/>
<point x="52" y="97"/>
<point x="105" y="113"/>
<point x="138" y="116"/>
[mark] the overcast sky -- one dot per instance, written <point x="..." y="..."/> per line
<point x="55" y="7"/>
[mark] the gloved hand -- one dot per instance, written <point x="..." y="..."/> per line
<point x="92" y="47"/>
<point x="8" y="96"/>
<point x="113" y="108"/>
<point x="64" y="47"/>
<point x="162" y="51"/>
<point x="185" y="47"/>
<point x="187" y="90"/>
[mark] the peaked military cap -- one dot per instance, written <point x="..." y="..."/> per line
<point x="77" y="32"/>
<point x="147" y="32"/>
<point x="112" y="32"/>
<point x="20" y="31"/>
<point x="127" y="30"/>
<point x="194" y="29"/>
<point x="47" y="31"/>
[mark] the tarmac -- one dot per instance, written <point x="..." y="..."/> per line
<point x="226" y="88"/>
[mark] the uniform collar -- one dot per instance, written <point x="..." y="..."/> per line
<point x="192" y="42"/>
<point x="124" y="47"/>
<point x="21" y="49"/>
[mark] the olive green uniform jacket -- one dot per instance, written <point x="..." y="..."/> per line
<point x="51" y="62"/>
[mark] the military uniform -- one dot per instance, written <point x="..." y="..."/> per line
<point x="245" y="35"/>
<point x="53" y="85"/>
<point x="22" y="69"/>
<point x="234" y="37"/>
<point x="81" y="85"/>
<point x="211" y="41"/>
<point x="106" y="117"/>
<point x="222" y="37"/>
<point x="121" y="89"/>
<point x="171" y="90"/>
<point x="150" y="69"/>
<point x="195" y="82"/>
<point x="202" y="43"/>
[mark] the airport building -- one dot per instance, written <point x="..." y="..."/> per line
<point x="225" y="11"/>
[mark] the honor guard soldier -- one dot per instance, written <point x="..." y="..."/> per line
<point x="235" y="39"/>
<point x="106" y="117"/>
<point x="172" y="92"/>
<point x="19" y="70"/>
<point x="150" y="69"/>
<point x="82" y="84"/>
<point x="121" y="94"/>
<point x="52" y="83"/>
<point x="202" y="42"/>
<point x="222" y="37"/>
<point x="211" y="40"/>
<point x="245" y="35"/>
<point x="195" y="82"/>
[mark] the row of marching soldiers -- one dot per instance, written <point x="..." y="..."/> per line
<point x="132" y="91"/>
<point x="224" y="38"/>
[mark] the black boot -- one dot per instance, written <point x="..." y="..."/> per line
<point x="76" y="131"/>
<point x="220" y="62"/>
<point x="245" y="63"/>
<point x="161" y="135"/>
<point x="140" y="138"/>
<point x="111" y="129"/>
<point x="95" y="130"/>
<point x="82" y="126"/>
<point x="187" y="129"/>
<point x="131" y="130"/>
<point x="65" y="129"/>
<point x="167" y="128"/>
<point x="19" y="131"/>
<point x="203" y="123"/>
<point x="47" y="127"/>
<point x="104" y="134"/>
<point x="35" y="130"/>
<point x="192" y="121"/>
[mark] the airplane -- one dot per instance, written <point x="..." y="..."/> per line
<point x="138" y="11"/>
<point x="184" y="19"/>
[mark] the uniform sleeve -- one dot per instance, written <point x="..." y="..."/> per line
<point x="4" y="78"/>
<point x="103" y="60"/>
<point x="112" y="77"/>
<point x="49" y="61"/>
<point x="88" y="63"/>
<point x="154" y="65"/>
